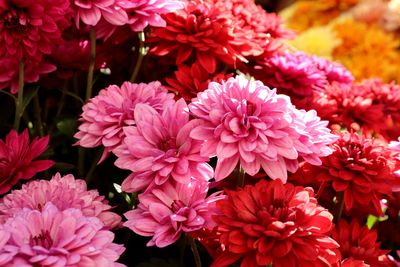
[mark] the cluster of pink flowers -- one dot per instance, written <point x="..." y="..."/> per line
<point x="57" y="223"/>
<point x="208" y="126"/>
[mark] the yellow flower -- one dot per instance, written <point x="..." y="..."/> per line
<point x="367" y="51"/>
<point x="320" y="41"/>
<point x="303" y="15"/>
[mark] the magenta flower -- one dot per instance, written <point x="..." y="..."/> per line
<point x="51" y="237"/>
<point x="17" y="159"/>
<point x="166" y="211"/>
<point x="29" y="29"/>
<point x="159" y="147"/>
<point x="105" y="115"/>
<point x="298" y="74"/>
<point x="63" y="192"/>
<point x="91" y="11"/>
<point x="244" y="121"/>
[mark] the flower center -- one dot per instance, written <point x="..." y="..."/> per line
<point x="43" y="239"/>
<point x="15" y="20"/>
<point x="177" y="205"/>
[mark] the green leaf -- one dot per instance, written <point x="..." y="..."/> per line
<point x="371" y="221"/>
<point x="30" y="93"/>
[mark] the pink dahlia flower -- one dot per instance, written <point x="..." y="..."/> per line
<point x="159" y="147"/>
<point x="144" y="12"/>
<point x="51" y="237"/>
<point x="9" y="72"/>
<point x="244" y="121"/>
<point x="17" y="159"/>
<point x="63" y="192"/>
<point x="28" y="29"/>
<point x="105" y="115"/>
<point x="91" y="11"/>
<point x="166" y="211"/>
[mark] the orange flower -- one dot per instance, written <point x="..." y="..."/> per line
<point x="306" y="14"/>
<point x="364" y="47"/>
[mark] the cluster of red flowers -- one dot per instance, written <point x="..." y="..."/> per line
<point x="266" y="156"/>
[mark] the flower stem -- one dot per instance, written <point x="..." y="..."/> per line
<point x="38" y="115"/>
<point x="196" y="254"/>
<point x="341" y="203"/>
<point x="89" y="92"/>
<point x="241" y="177"/>
<point x="89" y="85"/>
<point x="20" y="99"/>
<point x="142" y="53"/>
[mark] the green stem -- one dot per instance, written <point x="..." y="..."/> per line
<point x="20" y="99"/>
<point x="89" y="92"/>
<point x="341" y="205"/>
<point x="241" y="177"/>
<point x="196" y="254"/>
<point x="142" y="53"/>
<point x="89" y="85"/>
<point x="38" y="115"/>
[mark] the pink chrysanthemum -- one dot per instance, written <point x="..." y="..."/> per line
<point x="144" y="12"/>
<point x="105" y="115"/>
<point x="17" y="158"/>
<point x="9" y="72"/>
<point x="63" y="192"/>
<point x="28" y="29"/>
<point x="159" y="147"/>
<point x="244" y="121"/>
<point x="166" y="211"/>
<point x="91" y="11"/>
<point x="51" y="238"/>
<point x="298" y="74"/>
<point x="277" y="223"/>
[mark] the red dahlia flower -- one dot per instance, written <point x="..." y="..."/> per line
<point x="344" y="104"/>
<point x="360" y="169"/>
<point x="358" y="245"/>
<point x="28" y="28"/>
<point x="198" y="32"/>
<point x="190" y="80"/>
<point x="17" y="158"/>
<point x="257" y="31"/>
<point x="274" y="223"/>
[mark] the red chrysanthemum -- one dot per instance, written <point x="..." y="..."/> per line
<point x="17" y="158"/>
<point x="190" y="80"/>
<point x="359" y="169"/>
<point x="259" y="32"/>
<point x="197" y="32"/>
<point x="28" y="28"/>
<point x="358" y="245"/>
<point x="274" y="223"/>
<point x="371" y="104"/>
<point x="345" y="104"/>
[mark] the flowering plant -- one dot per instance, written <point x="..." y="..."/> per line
<point x="133" y="130"/>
